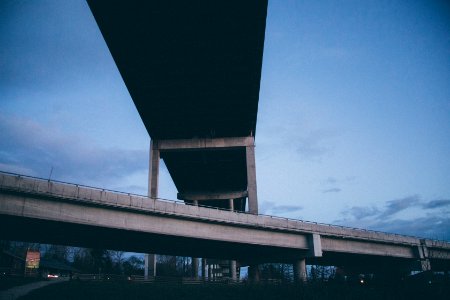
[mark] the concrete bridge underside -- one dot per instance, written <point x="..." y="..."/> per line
<point x="193" y="70"/>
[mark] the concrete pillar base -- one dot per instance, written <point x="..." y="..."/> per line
<point x="300" y="271"/>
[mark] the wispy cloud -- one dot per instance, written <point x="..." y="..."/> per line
<point x="332" y="190"/>
<point x="315" y="144"/>
<point x="268" y="207"/>
<point x="433" y="223"/>
<point x="394" y="206"/>
<point x="437" y="204"/>
<point x="31" y="148"/>
<point x="361" y="212"/>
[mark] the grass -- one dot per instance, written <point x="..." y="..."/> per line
<point x="130" y="291"/>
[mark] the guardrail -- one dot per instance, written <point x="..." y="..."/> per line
<point x="286" y="223"/>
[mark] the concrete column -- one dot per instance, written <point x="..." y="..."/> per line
<point x="153" y="177"/>
<point x="153" y="181"/>
<point x="251" y="180"/>
<point x="233" y="273"/>
<point x="204" y="269"/>
<point x="253" y="273"/>
<point x="300" y="271"/>
<point x="149" y="265"/>
<point x="146" y="266"/>
<point x="195" y="260"/>
<point x="195" y="267"/>
<point x="209" y="272"/>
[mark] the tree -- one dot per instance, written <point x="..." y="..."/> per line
<point x="133" y="266"/>
<point x="56" y="252"/>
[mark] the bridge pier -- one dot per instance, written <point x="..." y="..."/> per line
<point x="253" y="273"/>
<point x="195" y="262"/>
<point x="204" y="269"/>
<point x="299" y="267"/>
<point x="180" y="145"/>
<point x="153" y="184"/>
<point x="251" y="179"/>
<point x="149" y="265"/>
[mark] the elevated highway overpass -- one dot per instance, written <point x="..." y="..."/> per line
<point x="40" y="210"/>
<point x="193" y="70"/>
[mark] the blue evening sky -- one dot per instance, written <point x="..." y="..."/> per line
<point x="353" y="121"/>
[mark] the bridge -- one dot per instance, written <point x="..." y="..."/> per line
<point x="193" y="70"/>
<point x="47" y="211"/>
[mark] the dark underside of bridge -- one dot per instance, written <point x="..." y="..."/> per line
<point x="51" y="232"/>
<point x="193" y="70"/>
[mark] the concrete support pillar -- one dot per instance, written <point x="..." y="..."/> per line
<point x="424" y="256"/>
<point x="300" y="271"/>
<point x="204" y="269"/>
<point x="210" y="267"/>
<point x="149" y="265"/>
<point x="195" y="202"/>
<point x="153" y="181"/>
<point x="251" y="180"/>
<point x="231" y="205"/>
<point x="146" y="265"/>
<point x="195" y="267"/>
<point x="233" y="273"/>
<point x="253" y="273"/>
<point x="153" y="177"/>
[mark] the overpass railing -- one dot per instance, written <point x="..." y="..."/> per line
<point x="60" y="189"/>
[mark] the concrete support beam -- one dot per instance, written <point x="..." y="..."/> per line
<point x="210" y="267"/>
<point x="233" y="273"/>
<point x="211" y="196"/>
<point x="197" y="143"/>
<point x="423" y="252"/>
<point x="204" y="269"/>
<point x="300" y="271"/>
<point x="153" y="183"/>
<point x="149" y="265"/>
<point x="195" y="267"/>
<point x="315" y="245"/>
<point x="253" y="273"/>
<point x="153" y="180"/>
<point x="251" y="180"/>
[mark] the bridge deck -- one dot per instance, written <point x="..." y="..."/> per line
<point x="33" y="198"/>
<point x="193" y="70"/>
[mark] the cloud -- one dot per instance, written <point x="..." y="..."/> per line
<point x="330" y="180"/>
<point x="397" y="205"/>
<point x="31" y="148"/>
<point x="267" y="207"/>
<point x="434" y="227"/>
<point x="436" y="204"/>
<point x="332" y="190"/>
<point x="433" y="223"/>
<point x="360" y="212"/>
<point x="315" y="144"/>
